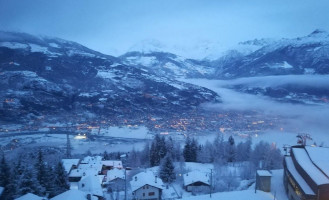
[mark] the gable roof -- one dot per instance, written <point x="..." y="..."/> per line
<point x="115" y="173"/>
<point x="68" y="163"/>
<point x="196" y="176"/>
<point x="30" y="196"/>
<point x="91" y="184"/>
<point x="112" y="163"/>
<point x="146" y="178"/>
<point x="72" y="195"/>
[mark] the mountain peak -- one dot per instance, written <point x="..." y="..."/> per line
<point x="319" y="32"/>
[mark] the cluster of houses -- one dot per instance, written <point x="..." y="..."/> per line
<point x="306" y="177"/>
<point x="92" y="178"/>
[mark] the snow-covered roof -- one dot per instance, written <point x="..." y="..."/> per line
<point x="91" y="184"/>
<point x="263" y="173"/>
<point x="30" y="196"/>
<point x="145" y="178"/>
<point x="196" y="176"/>
<point x="317" y="156"/>
<point x="298" y="178"/>
<point x="112" y="163"/>
<point x="91" y="160"/>
<point x="68" y="163"/>
<point x="115" y="173"/>
<point x="305" y="162"/>
<point x="73" y="194"/>
<point x="87" y="170"/>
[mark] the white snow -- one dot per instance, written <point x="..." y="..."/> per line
<point x="106" y="74"/>
<point x="54" y="45"/>
<point x="284" y="65"/>
<point x="195" y="176"/>
<point x="115" y="173"/>
<point x="305" y="162"/>
<point x="113" y="163"/>
<point x="73" y="195"/>
<point x="140" y="132"/>
<point x="236" y="195"/>
<point x="317" y="156"/>
<point x="30" y="196"/>
<point x="298" y="178"/>
<point x="263" y="173"/>
<point x="13" y="45"/>
<point x="91" y="184"/>
<point x="146" y="178"/>
<point x="68" y="163"/>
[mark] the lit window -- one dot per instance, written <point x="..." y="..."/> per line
<point x="151" y="193"/>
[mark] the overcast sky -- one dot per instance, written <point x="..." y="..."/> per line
<point x="112" y="27"/>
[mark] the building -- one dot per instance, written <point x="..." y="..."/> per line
<point x="115" y="179"/>
<point x="263" y="180"/>
<point x="146" y="186"/>
<point x="111" y="164"/>
<point x="306" y="173"/>
<point x="70" y="164"/>
<point x="91" y="185"/>
<point x="197" y="182"/>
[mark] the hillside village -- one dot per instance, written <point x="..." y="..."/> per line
<point x="164" y="170"/>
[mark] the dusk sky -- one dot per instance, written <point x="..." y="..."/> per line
<point x="113" y="27"/>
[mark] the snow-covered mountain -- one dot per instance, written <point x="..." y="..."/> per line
<point x="304" y="55"/>
<point x="41" y="75"/>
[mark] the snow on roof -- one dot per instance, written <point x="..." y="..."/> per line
<point x="30" y="196"/>
<point x="91" y="159"/>
<point x="68" y="163"/>
<point x="196" y="176"/>
<point x="115" y="173"/>
<point x="145" y="178"/>
<point x="72" y="194"/>
<point x="305" y="162"/>
<point x="317" y="156"/>
<point x="298" y="178"/>
<point x="91" y="184"/>
<point x="87" y="170"/>
<point x="112" y="163"/>
<point x="263" y="173"/>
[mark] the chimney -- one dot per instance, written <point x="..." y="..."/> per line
<point x="135" y="178"/>
<point x="156" y="177"/>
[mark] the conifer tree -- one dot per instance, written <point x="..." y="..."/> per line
<point x="61" y="180"/>
<point x="29" y="183"/>
<point x="167" y="170"/>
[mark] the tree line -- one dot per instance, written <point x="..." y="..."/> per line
<point x="40" y="178"/>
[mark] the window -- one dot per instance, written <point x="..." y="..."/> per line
<point x="147" y="187"/>
<point x="151" y="193"/>
<point x="143" y="194"/>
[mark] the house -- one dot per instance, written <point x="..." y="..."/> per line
<point x="111" y="164"/>
<point x="115" y="179"/>
<point x="146" y="186"/>
<point x="263" y="180"/>
<point x="70" y="164"/>
<point x="30" y="196"/>
<point x="306" y="173"/>
<point x="85" y="168"/>
<point x="91" y="185"/>
<point x="196" y="181"/>
<point x="74" y="194"/>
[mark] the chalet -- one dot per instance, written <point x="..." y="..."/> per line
<point x="91" y="185"/>
<point x="146" y="186"/>
<point x="196" y="181"/>
<point x="306" y="173"/>
<point x="116" y="179"/>
<point x="111" y="164"/>
<point x="30" y="196"/>
<point x="86" y="168"/>
<point x="70" y="164"/>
